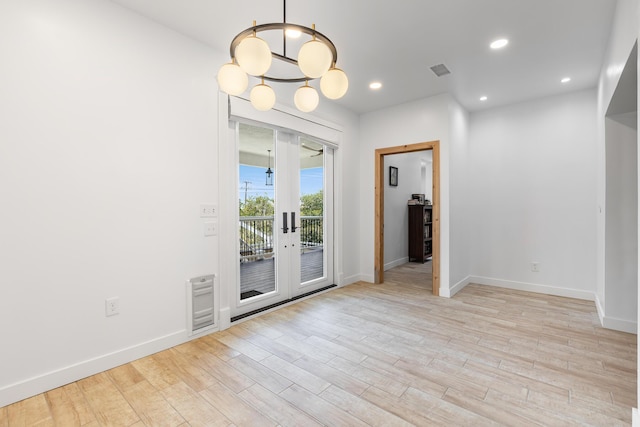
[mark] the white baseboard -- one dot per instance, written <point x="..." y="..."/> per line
<point x="15" y="392"/>
<point x="614" y="323"/>
<point x="350" y="279"/>
<point x="600" y="309"/>
<point x="396" y="263"/>
<point x="606" y="321"/>
<point x="533" y="287"/>
<point x="225" y="318"/>
<point x="366" y="278"/>
<point x="635" y="417"/>
<point x="619" y="324"/>
<point x="449" y="292"/>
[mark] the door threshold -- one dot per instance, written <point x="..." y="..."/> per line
<point x="277" y="304"/>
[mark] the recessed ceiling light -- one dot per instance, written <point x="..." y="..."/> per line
<point x="294" y="34"/>
<point x="483" y="98"/>
<point x="375" y="85"/>
<point x="499" y="44"/>
<point x="565" y="80"/>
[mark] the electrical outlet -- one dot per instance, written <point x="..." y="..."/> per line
<point x="208" y="211"/>
<point x="210" y="228"/>
<point x="535" y="267"/>
<point x="112" y="306"/>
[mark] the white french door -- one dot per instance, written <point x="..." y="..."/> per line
<point x="285" y="217"/>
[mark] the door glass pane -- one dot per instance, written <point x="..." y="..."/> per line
<point x="257" y="202"/>
<point x="311" y="210"/>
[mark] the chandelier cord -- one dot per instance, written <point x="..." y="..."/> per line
<point x="284" y="33"/>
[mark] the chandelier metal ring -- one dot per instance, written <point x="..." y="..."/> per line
<point x="251" y="55"/>
<point x="283" y="26"/>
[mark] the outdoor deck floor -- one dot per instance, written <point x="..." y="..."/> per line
<point x="258" y="277"/>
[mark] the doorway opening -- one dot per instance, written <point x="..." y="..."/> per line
<point x="619" y="256"/>
<point x="380" y="154"/>
<point x="285" y="217"/>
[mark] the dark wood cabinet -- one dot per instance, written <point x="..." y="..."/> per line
<point x="420" y="232"/>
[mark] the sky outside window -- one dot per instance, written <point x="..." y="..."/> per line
<point x="310" y="181"/>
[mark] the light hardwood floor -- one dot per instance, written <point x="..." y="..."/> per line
<point x="381" y="355"/>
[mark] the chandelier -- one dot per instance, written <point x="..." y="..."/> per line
<point x="251" y="55"/>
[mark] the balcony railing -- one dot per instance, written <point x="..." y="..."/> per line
<point x="256" y="236"/>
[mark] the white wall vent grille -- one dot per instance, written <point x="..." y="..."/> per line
<point x="202" y="311"/>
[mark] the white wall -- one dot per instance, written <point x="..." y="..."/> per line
<point x="621" y="238"/>
<point x="347" y="189"/>
<point x="108" y="148"/>
<point x="460" y="256"/>
<point x="426" y="159"/>
<point x="623" y="36"/>
<point x="414" y="122"/>
<point x="532" y="192"/>
<point x="396" y="216"/>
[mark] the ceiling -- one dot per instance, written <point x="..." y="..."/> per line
<point x="257" y="148"/>
<point x="623" y="106"/>
<point x="396" y="42"/>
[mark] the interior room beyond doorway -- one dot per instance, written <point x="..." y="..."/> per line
<point x="415" y="179"/>
<point x="388" y="184"/>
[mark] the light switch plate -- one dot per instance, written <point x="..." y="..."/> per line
<point x="208" y="211"/>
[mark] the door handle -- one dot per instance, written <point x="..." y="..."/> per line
<point x="285" y="229"/>
<point x="293" y="222"/>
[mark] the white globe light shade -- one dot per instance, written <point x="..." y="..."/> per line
<point x="334" y="83"/>
<point x="254" y="56"/>
<point x="232" y="79"/>
<point x="314" y="59"/>
<point x="306" y="99"/>
<point x="262" y="97"/>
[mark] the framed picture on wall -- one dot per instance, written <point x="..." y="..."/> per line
<point x="393" y="176"/>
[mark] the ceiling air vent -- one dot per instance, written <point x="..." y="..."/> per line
<point x="440" y="70"/>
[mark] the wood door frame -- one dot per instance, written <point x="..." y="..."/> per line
<point x="378" y="262"/>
